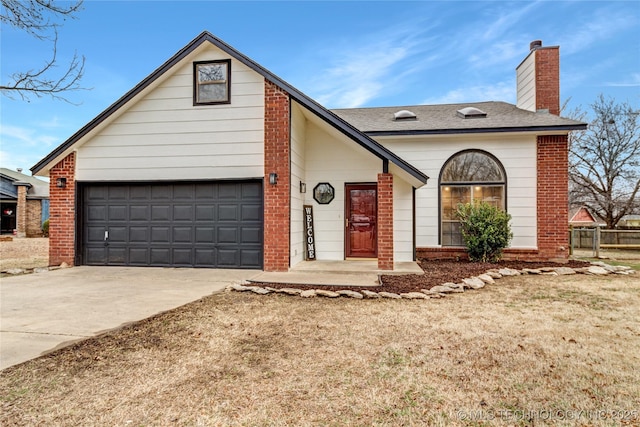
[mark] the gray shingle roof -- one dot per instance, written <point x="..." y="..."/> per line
<point x="39" y="188"/>
<point x="444" y="119"/>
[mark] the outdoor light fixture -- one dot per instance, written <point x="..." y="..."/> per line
<point x="61" y="182"/>
<point x="303" y="187"/>
<point x="273" y="178"/>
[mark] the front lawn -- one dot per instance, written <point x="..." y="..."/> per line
<point x="528" y="350"/>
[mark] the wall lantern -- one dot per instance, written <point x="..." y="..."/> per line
<point x="273" y="178"/>
<point x="61" y="182"/>
<point x="303" y="187"/>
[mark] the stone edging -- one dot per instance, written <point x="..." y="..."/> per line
<point x="478" y="282"/>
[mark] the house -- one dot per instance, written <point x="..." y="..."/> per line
<point x="582" y="217"/>
<point x="214" y="161"/>
<point x="629" y="221"/>
<point x="24" y="203"/>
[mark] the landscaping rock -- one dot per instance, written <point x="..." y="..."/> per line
<point x="440" y="289"/>
<point x="15" y="271"/>
<point x="351" y="294"/>
<point x="473" y="283"/>
<point x="310" y="293"/>
<point x="486" y="279"/>
<point x="596" y="269"/>
<point x="564" y="271"/>
<point x="328" y="294"/>
<point x="389" y="295"/>
<point x="414" y="295"/>
<point x="258" y="290"/>
<point x="369" y="294"/>
<point x="494" y="274"/>
<point x="40" y="269"/>
<point x="532" y="270"/>
<point x="509" y="272"/>
<point x="290" y="291"/>
<point x="238" y="287"/>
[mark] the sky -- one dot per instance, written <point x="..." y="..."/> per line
<point x="342" y="54"/>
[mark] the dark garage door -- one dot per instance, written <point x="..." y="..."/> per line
<point x="210" y="224"/>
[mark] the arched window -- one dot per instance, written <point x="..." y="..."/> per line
<point x="468" y="176"/>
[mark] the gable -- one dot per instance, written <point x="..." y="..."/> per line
<point x="160" y="132"/>
<point x="154" y="79"/>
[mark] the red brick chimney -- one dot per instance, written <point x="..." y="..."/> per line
<point x="538" y="79"/>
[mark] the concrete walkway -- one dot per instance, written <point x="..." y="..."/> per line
<point x="44" y="311"/>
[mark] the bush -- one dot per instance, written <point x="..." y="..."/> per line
<point x="45" y="228"/>
<point x="485" y="230"/>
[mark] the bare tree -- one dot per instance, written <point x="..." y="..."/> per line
<point x="604" y="167"/>
<point x="39" y="19"/>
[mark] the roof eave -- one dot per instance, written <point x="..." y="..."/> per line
<point x="562" y="128"/>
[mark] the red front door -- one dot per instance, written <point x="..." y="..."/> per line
<point x="361" y="224"/>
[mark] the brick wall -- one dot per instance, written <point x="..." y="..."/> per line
<point x="548" y="79"/>
<point x="34" y="218"/>
<point x="276" y="197"/>
<point x="553" y="196"/>
<point x="62" y="212"/>
<point x="385" y="221"/>
<point x="21" y="211"/>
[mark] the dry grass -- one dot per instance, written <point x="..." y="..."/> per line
<point x="513" y="350"/>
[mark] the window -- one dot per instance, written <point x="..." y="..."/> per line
<point x="211" y="83"/>
<point x="468" y="176"/>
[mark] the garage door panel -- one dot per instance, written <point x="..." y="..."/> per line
<point x="205" y="235"/>
<point x="251" y="258"/>
<point x="252" y="212"/>
<point x="205" y="213"/>
<point x="228" y="212"/>
<point x="251" y="235"/>
<point x="160" y="235"/>
<point x="209" y="224"/>
<point x="183" y="213"/>
<point x="117" y="213"/>
<point x="139" y="213"/>
<point x="118" y="234"/>
<point x="182" y="234"/>
<point x="97" y="213"/>
<point x="160" y="213"/>
<point x="139" y="256"/>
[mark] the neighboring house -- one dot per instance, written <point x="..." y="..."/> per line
<point x="24" y="203"/>
<point x="211" y="160"/>
<point x="630" y="221"/>
<point x="582" y="217"/>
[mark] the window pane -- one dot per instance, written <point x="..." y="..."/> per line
<point x="212" y="82"/>
<point x="472" y="167"/>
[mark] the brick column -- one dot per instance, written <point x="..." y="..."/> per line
<point x="21" y="208"/>
<point x="276" y="160"/>
<point x="385" y="221"/>
<point x="62" y="212"/>
<point x="553" y="196"/>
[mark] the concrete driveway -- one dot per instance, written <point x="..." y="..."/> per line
<point x="45" y="311"/>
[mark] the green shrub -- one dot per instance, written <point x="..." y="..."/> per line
<point x="485" y="230"/>
<point x="45" y="228"/>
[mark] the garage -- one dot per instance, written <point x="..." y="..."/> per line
<point x="216" y="224"/>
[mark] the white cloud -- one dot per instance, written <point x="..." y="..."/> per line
<point x="604" y="25"/>
<point x="633" y="81"/>
<point x="15" y="135"/>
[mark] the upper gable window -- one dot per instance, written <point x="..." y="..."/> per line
<point x="212" y="82"/>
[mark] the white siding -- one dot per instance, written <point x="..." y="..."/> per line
<point x="402" y="220"/>
<point x="518" y="157"/>
<point x="163" y="136"/>
<point x="526" y="83"/>
<point x="298" y="135"/>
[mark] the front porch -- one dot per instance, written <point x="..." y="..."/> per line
<point x="336" y="273"/>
